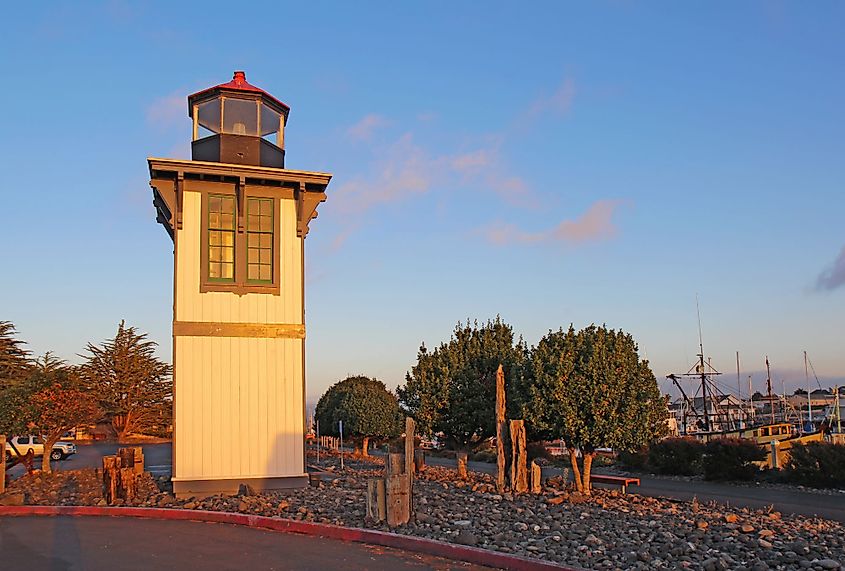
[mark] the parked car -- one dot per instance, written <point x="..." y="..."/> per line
<point x="24" y="444"/>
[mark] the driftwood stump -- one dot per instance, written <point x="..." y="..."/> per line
<point x="519" y="461"/>
<point x="462" y="465"/>
<point x="501" y="429"/>
<point x="397" y="484"/>
<point x="536" y="478"/>
<point x="132" y="458"/>
<point x="120" y="475"/>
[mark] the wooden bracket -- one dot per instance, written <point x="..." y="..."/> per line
<point x="180" y="186"/>
<point x="306" y="208"/>
<point x="239" y="198"/>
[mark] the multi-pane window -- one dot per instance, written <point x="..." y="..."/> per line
<point x="259" y="240"/>
<point x="221" y="238"/>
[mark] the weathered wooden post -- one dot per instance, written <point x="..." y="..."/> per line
<point x="462" y="465"/>
<point x="111" y="467"/>
<point x="3" y="456"/>
<point x="410" y="426"/>
<point x="501" y="482"/>
<point x="128" y="485"/>
<point x="376" y="503"/>
<point x="419" y="461"/>
<point x="398" y="491"/>
<point x="536" y="478"/>
<point x="519" y="467"/>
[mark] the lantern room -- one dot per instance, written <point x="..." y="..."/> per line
<point x="238" y="123"/>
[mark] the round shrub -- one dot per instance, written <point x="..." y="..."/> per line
<point x="676" y="456"/>
<point x="817" y="464"/>
<point x="635" y="460"/>
<point x="732" y="459"/>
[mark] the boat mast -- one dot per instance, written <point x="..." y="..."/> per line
<point x="769" y="388"/>
<point x="739" y="386"/>
<point x="702" y="370"/>
<point x="809" y="402"/>
<point x="750" y="400"/>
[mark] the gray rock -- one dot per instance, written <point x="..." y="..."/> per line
<point x="828" y="564"/>
<point x="466" y="538"/>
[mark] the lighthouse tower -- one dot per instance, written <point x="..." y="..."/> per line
<point x="238" y="220"/>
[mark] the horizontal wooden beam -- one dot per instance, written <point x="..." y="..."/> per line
<point x="248" y="171"/>
<point x="255" y="330"/>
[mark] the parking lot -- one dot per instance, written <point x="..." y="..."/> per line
<point x="157" y="458"/>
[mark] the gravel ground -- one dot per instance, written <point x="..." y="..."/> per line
<point x="610" y="531"/>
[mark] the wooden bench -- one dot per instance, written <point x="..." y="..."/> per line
<point x="622" y="481"/>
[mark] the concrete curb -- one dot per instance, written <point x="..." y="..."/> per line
<point x="372" y="537"/>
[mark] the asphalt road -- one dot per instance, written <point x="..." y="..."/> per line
<point x="157" y="458"/>
<point x="92" y="543"/>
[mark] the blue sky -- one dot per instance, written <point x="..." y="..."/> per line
<point x="553" y="163"/>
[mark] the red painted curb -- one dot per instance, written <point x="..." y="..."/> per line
<point x="372" y="537"/>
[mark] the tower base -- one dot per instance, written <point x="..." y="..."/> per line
<point x="228" y="486"/>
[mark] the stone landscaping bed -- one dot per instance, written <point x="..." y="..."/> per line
<point x="609" y="531"/>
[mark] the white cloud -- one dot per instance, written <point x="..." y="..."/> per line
<point x="364" y="129"/>
<point x="594" y="225"/>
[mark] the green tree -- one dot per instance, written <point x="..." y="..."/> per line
<point x="14" y="359"/>
<point x="365" y="406"/>
<point x="134" y="387"/>
<point x="453" y="388"/>
<point x="48" y="403"/>
<point x="592" y="389"/>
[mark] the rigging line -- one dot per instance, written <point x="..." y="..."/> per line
<point x="698" y="311"/>
<point x="812" y="368"/>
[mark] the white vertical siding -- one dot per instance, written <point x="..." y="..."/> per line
<point x="239" y="401"/>
<point x="238" y="414"/>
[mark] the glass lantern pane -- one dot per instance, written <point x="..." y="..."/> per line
<point x="240" y="116"/>
<point x="208" y="115"/>
<point x="270" y="121"/>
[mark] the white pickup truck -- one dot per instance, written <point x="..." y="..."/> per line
<point x="24" y="444"/>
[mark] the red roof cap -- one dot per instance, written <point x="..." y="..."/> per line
<point x="238" y="83"/>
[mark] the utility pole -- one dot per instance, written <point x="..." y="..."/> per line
<point x="769" y="388"/>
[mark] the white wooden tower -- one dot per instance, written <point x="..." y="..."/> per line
<point x="238" y="220"/>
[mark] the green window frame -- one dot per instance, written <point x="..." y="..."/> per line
<point x="221" y="238"/>
<point x="259" y="241"/>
